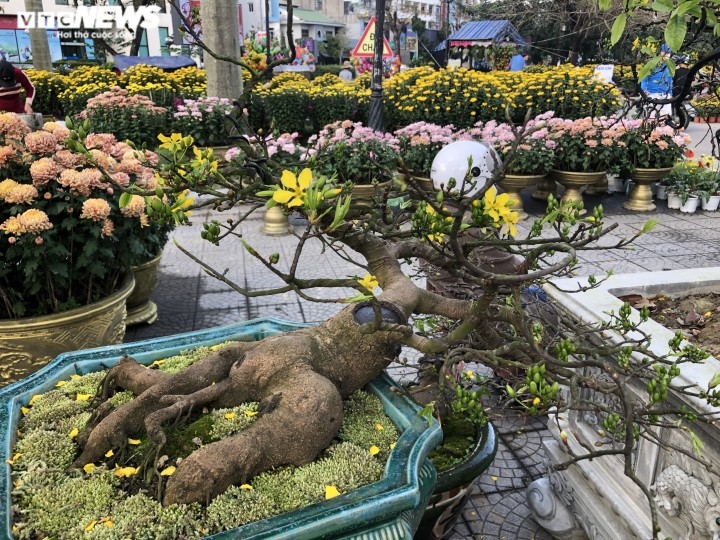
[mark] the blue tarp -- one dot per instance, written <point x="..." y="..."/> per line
<point x="168" y="63"/>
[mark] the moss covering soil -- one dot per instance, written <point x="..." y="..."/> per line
<point x="118" y="499"/>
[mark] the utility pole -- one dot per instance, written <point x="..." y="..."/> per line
<point x="376" y="119"/>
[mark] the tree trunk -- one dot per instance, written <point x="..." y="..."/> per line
<point x="222" y="35"/>
<point x="38" y="40"/>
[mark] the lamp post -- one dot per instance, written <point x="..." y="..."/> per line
<point x="376" y="119"/>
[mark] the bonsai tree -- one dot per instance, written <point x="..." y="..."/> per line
<point x="468" y="231"/>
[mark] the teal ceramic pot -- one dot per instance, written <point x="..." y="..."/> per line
<point x="455" y="486"/>
<point x="389" y="508"/>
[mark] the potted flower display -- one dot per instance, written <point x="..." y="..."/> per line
<point x="532" y="159"/>
<point x="205" y="119"/>
<point x="419" y="144"/>
<point x="67" y="244"/>
<point x="353" y="153"/>
<point x="587" y="149"/>
<point x="651" y="150"/>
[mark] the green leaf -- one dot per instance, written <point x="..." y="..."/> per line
<point x="714" y="381"/>
<point x="697" y="444"/>
<point x="604" y="4"/>
<point x="649" y="225"/>
<point x="125" y="199"/>
<point x="710" y="16"/>
<point x="663" y="6"/>
<point x="427" y="412"/>
<point x="675" y="31"/>
<point x="618" y="28"/>
<point x="685" y="7"/>
<point x="648" y="67"/>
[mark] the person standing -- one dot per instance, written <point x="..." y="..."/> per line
<point x="517" y="62"/>
<point x="12" y="81"/>
<point x="346" y="73"/>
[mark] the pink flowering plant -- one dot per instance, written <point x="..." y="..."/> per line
<point x="534" y="154"/>
<point x="588" y="144"/>
<point x="355" y="153"/>
<point x="419" y="144"/>
<point x="129" y="117"/>
<point x="652" y="145"/>
<point x="205" y="119"/>
<point x="65" y="240"/>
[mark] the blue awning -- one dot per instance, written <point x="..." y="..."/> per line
<point x="496" y="31"/>
<point x="168" y="63"/>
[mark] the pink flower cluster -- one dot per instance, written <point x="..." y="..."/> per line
<point x="425" y="133"/>
<point x="196" y="107"/>
<point x="350" y="133"/>
<point x="119" y="97"/>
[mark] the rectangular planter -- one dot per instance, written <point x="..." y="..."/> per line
<point x="594" y="497"/>
<point x="389" y="508"/>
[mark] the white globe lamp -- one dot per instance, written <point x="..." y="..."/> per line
<point x="470" y="164"/>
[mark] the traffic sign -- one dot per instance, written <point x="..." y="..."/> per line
<point x="366" y="46"/>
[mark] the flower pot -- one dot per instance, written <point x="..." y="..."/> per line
<point x="690" y="205"/>
<point x="455" y="486"/>
<point x="574" y="181"/>
<point x="640" y="198"/>
<point x="711" y="204"/>
<point x="140" y="309"/>
<point x="389" y="508"/>
<point x="219" y="152"/>
<point x="661" y="193"/>
<point x="673" y="201"/>
<point x="28" y="344"/>
<point x="513" y="184"/>
<point x="363" y="195"/>
<point x="615" y="184"/>
<point x="544" y="189"/>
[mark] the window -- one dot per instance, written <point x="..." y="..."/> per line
<point x="251" y="7"/>
<point x="347" y="8"/>
<point x="143" y="50"/>
<point x="163" y="34"/>
<point x="62" y="2"/>
<point x="304" y="32"/>
<point x="318" y="5"/>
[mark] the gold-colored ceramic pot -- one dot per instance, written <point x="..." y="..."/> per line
<point x="28" y="344"/>
<point x="513" y="184"/>
<point x="140" y="309"/>
<point x="640" y="198"/>
<point x="574" y="181"/>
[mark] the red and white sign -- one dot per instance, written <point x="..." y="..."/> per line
<point x="365" y="48"/>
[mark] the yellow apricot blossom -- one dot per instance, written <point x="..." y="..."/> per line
<point x="296" y="187"/>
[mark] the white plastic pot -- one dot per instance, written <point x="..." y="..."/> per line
<point x="674" y="201"/>
<point x="711" y="204"/>
<point x="690" y="205"/>
<point x="661" y="193"/>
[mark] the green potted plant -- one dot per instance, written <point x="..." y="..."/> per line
<point x="67" y="245"/>
<point x="351" y="152"/>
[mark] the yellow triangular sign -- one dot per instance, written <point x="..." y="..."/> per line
<point x="366" y="46"/>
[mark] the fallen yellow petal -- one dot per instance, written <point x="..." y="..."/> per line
<point x="35" y="399"/>
<point x="134" y="441"/>
<point x="247" y="486"/>
<point x="61" y="383"/>
<point x="250" y="413"/>
<point x="109" y="523"/>
<point x="73" y="433"/>
<point x="331" y="491"/>
<point x="11" y="461"/>
<point x="374" y="450"/>
<point x="126" y="472"/>
<point x="90" y="526"/>
<point x="83" y="397"/>
<point x="24" y="410"/>
<point x="230" y="415"/>
<point x="707" y="314"/>
<point x="378" y="426"/>
<point x="74" y="377"/>
<point x="494" y="478"/>
<point x="109" y="453"/>
<point x="158" y="362"/>
<point x="536" y="401"/>
<point x="168" y="471"/>
<point x="392" y="445"/>
<point x="89" y="468"/>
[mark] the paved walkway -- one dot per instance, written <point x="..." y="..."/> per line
<point x="188" y="300"/>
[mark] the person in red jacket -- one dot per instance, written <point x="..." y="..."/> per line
<point x="12" y="82"/>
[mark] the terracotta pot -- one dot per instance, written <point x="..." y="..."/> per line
<point x="28" y="344"/>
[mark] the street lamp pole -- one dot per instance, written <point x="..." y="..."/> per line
<point x="267" y="31"/>
<point x="376" y="119"/>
